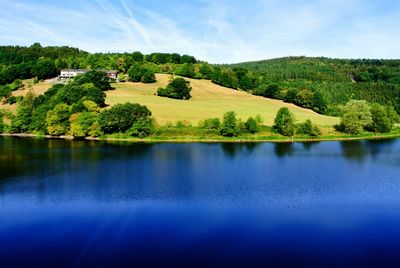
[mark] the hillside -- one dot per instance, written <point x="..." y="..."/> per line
<point x="337" y="80"/>
<point x="208" y="100"/>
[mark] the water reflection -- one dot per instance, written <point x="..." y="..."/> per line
<point x="284" y="149"/>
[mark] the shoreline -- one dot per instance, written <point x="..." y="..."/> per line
<point x="272" y="139"/>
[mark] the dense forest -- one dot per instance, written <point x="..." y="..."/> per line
<point x="321" y="84"/>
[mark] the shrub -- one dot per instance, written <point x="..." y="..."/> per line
<point x="143" y="127"/>
<point x="211" y="123"/>
<point x="148" y="77"/>
<point x="307" y="128"/>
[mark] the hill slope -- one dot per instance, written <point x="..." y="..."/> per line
<point x="208" y="100"/>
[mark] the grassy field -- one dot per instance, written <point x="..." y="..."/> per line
<point x="208" y="100"/>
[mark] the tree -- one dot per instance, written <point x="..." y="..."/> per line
<point x="178" y="88"/>
<point x="121" y="117"/>
<point x="57" y="120"/>
<point x="251" y="126"/>
<point x="81" y="123"/>
<point x="186" y="70"/>
<point x="23" y="118"/>
<point x="229" y="125"/>
<point x="381" y="121"/>
<point x="211" y="123"/>
<point x="356" y="115"/>
<point x="284" y="122"/>
<point x="2" y="126"/>
<point x="308" y="128"/>
<point x="97" y="78"/>
<point x="44" y="69"/>
<point x="148" y="76"/>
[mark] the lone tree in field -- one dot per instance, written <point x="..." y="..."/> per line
<point x="356" y="115"/>
<point x="229" y="125"/>
<point x="178" y="88"/>
<point x="284" y="122"/>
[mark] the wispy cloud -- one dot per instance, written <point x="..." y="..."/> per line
<point x="213" y="30"/>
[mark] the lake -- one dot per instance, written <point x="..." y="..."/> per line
<point x="80" y="203"/>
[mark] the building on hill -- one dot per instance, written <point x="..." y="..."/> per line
<point x="111" y="74"/>
<point x="71" y="73"/>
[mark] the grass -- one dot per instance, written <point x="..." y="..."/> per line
<point x="208" y="100"/>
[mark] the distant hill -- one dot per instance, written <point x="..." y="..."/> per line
<point x="338" y="80"/>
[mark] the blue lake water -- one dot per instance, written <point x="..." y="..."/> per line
<point x="79" y="203"/>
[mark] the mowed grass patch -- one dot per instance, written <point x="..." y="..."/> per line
<point x="37" y="89"/>
<point x="208" y="100"/>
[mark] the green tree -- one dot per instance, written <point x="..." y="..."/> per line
<point x="284" y="122"/>
<point x="97" y="78"/>
<point x="251" y="126"/>
<point x="356" y="115"/>
<point x="381" y="121"/>
<point x="143" y="127"/>
<point x="308" y="128"/>
<point x="22" y="120"/>
<point x="211" y="123"/>
<point x="178" y="88"/>
<point x="148" y="76"/>
<point x="229" y="125"/>
<point x="44" y="69"/>
<point x="121" y="117"/>
<point x="136" y="72"/>
<point x="57" y="120"/>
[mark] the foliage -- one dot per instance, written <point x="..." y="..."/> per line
<point x="143" y="127"/>
<point x="251" y="126"/>
<point x="211" y="124"/>
<point x="307" y="128"/>
<point x="229" y="125"/>
<point x="381" y="120"/>
<point x="57" y="122"/>
<point x="178" y="88"/>
<point x="81" y="123"/>
<point x="140" y="73"/>
<point x="23" y="118"/>
<point x="356" y="115"/>
<point x="97" y="78"/>
<point x="121" y="117"/>
<point x="284" y="122"/>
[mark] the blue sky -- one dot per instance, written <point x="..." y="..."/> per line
<point x="219" y="31"/>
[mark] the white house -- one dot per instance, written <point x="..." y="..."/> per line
<point x="71" y="73"/>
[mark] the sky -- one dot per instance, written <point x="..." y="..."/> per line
<point x="217" y="31"/>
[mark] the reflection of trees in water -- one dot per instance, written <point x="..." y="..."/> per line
<point x="232" y="148"/>
<point x="360" y="150"/>
<point x="23" y="156"/>
<point x="308" y="145"/>
<point x="354" y="150"/>
<point x="284" y="149"/>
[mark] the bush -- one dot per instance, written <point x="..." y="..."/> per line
<point x="81" y="123"/>
<point x="143" y="127"/>
<point x="211" y="124"/>
<point x="284" y="122"/>
<point x="121" y="117"/>
<point x="178" y="88"/>
<point x="251" y="126"/>
<point x="148" y="77"/>
<point x="229" y="125"/>
<point x="307" y="128"/>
